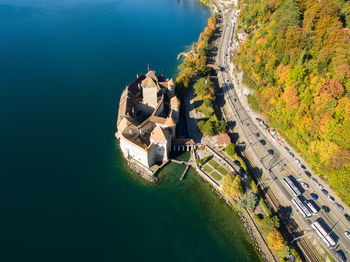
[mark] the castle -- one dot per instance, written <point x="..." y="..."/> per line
<point x="147" y="118"/>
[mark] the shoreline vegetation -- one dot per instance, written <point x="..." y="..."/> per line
<point x="296" y="59"/>
<point x="194" y="71"/>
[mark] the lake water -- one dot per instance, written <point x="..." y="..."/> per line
<point x="65" y="191"/>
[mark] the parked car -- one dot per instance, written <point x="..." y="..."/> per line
<point x="291" y="154"/>
<point x="258" y="119"/>
<point x="286" y="148"/>
<point x="314" y="180"/>
<point x="306" y="186"/>
<point x="314" y="196"/>
<point x="347" y="234"/>
<point x="331" y="199"/>
<point x="347" y="217"/>
<point x="340" y="207"/>
<point x="307" y="173"/>
<point x="263" y="142"/>
<point x="296" y="160"/>
<point x="257" y="134"/>
<point x="324" y="191"/>
<point x="319" y="186"/>
<point x="302" y="166"/>
<point x="340" y="254"/>
<point x="326" y="209"/>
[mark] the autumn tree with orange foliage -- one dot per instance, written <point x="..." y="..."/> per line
<point x="275" y="240"/>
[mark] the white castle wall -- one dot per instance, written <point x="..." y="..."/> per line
<point x="133" y="151"/>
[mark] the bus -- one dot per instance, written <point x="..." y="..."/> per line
<point x="323" y="234"/>
<point x="309" y="205"/>
<point x="301" y="207"/>
<point x="291" y="186"/>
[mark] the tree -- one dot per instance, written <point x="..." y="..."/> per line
<point x="231" y="149"/>
<point x="212" y="22"/>
<point x="275" y="240"/>
<point x="203" y="86"/>
<point x="334" y="88"/>
<point x="232" y="185"/>
<point x="220" y="127"/>
<point x="248" y="201"/>
<point x="206" y="127"/>
<point x="290" y="96"/>
<point x="268" y="224"/>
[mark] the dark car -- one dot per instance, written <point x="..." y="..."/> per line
<point x="347" y="217"/>
<point x="291" y="154"/>
<point x="314" y="196"/>
<point x="326" y="209"/>
<point x="286" y="148"/>
<point x="340" y="207"/>
<point x="258" y="119"/>
<point x="308" y="173"/>
<point x="257" y="134"/>
<point x="263" y="142"/>
<point x="340" y="254"/>
<point x="324" y="191"/>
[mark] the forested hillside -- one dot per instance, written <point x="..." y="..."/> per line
<point x="296" y="58"/>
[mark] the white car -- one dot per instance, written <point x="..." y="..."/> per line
<point x="306" y="186"/>
<point x="347" y="234"/>
<point x="319" y="186"/>
<point x="296" y="160"/>
<point x="331" y="199"/>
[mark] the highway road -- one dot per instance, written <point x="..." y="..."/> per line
<point x="274" y="157"/>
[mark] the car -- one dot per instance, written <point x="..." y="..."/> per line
<point x="319" y="186"/>
<point x="291" y="154"/>
<point x="324" y="191"/>
<point x="347" y="234"/>
<point x="257" y="134"/>
<point x="307" y="173"/>
<point x="286" y="148"/>
<point x="347" y="217"/>
<point x="314" y="180"/>
<point x="340" y="207"/>
<point x="314" y="196"/>
<point x="306" y="186"/>
<point x="340" y="254"/>
<point x="302" y="166"/>
<point x="331" y="199"/>
<point x="296" y="160"/>
<point x="326" y="209"/>
<point x="234" y="100"/>
<point x="263" y="142"/>
<point x="227" y="81"/>
<point x="258" y="119"/>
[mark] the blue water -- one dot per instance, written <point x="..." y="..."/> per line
<point x="65" y="192"/>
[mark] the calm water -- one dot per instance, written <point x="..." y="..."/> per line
<point x="65" y="193"/>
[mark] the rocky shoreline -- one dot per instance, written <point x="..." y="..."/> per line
<point x="145" y="174"/>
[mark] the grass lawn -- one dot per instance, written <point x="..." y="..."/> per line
<point x="214" y="164"/>
<point x="222" y="170"/>
<point x="207" y="169"/>
<point x="216" y="176"/>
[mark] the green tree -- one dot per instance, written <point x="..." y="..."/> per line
<point x="248" y="201"/>
<point x="268" y="224"/>
<point x="206" y="127"/>
<point x="232" y="185"/>
<point x="231" y="150"/>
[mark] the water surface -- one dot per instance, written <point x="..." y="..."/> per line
<point x="65" y="193"/>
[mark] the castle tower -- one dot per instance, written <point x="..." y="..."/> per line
<point x="171" y="87"/>
<point x="175" y="107"/>
<point x="150" y="88"/>
<point x="161" y="140"/>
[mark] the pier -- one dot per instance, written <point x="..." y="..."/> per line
<point x="185" y="171"/>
